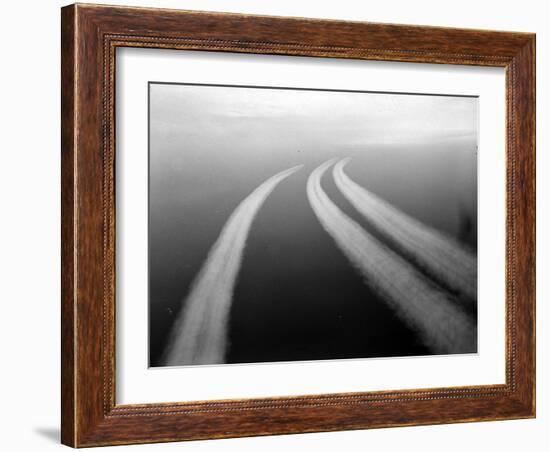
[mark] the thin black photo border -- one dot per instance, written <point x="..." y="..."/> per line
<point x="269" y="87"/>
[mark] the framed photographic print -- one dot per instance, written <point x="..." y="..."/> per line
<point x="281" y="225"/>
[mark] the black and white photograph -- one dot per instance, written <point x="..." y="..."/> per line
<point x="291" y="224"/>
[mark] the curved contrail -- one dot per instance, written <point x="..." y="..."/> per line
<point x="443" y="327"/>
<point x="199" y="334"/>
<point x="443" y="258"/>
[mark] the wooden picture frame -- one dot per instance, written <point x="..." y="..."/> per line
<point x="90" y="35"/>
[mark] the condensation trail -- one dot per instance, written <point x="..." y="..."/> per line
<point x="199" y="334"/>
<point x="443" y="327"/>
<point x="443" y="258"/>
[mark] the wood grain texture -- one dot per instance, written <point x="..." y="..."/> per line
<point x="90" y="36"/>
<point x="67" y="225"/>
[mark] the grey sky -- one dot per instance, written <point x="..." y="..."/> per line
<point x="348" y="118"/>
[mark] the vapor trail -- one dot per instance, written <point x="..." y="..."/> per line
<point x="443" y="327"/>
<point x="443" y="258"/>
<point x="199" y="334"/>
